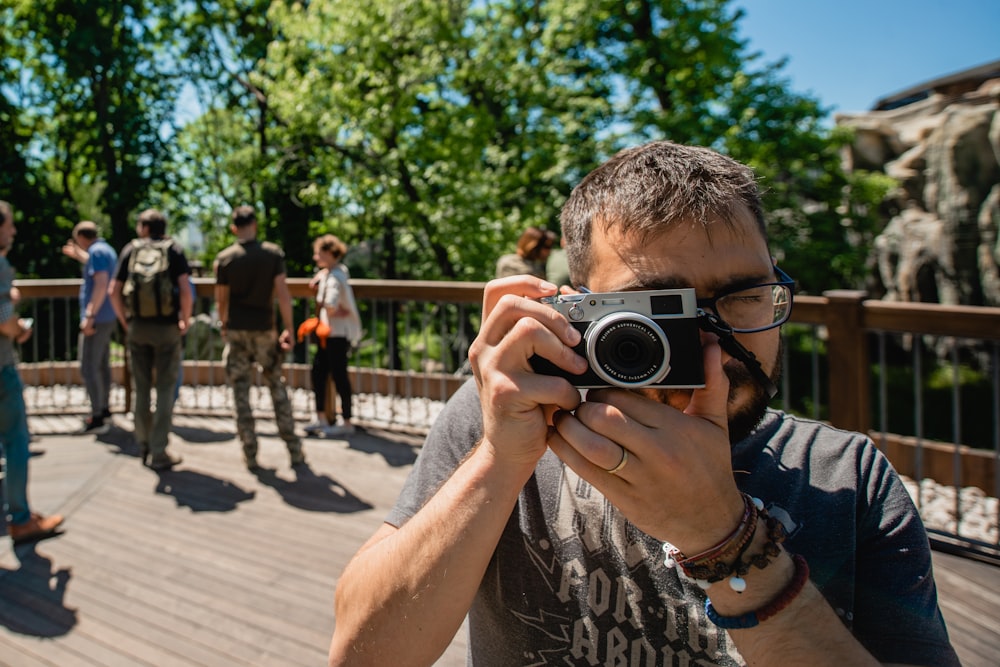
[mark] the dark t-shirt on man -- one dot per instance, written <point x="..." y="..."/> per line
<point x="249" y="268"/>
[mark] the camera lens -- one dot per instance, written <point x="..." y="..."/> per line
<point x="628" y="350"/>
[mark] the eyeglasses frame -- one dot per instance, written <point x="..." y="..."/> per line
<point x="784" y="280"/>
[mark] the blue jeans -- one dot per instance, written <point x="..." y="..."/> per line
<point x="14" y="444"/>
<point x="155" y="351"/>
<point x="95" y="365"/>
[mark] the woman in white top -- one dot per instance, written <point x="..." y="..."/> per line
<point x="338" y="310"/>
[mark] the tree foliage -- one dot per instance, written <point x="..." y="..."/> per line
<point x="426" y="133"/>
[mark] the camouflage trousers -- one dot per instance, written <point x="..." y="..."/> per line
<point x="245" y="351"/>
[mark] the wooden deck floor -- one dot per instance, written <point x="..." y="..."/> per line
<point x="212" y="565"/>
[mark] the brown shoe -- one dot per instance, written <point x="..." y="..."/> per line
<point x="36" y="528"/>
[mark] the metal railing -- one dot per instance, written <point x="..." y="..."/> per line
<point x="930" y="399"/>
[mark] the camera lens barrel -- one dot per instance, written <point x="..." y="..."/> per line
<point x="628" y="349"/>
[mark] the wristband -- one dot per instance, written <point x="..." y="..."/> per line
<point x="752" y="619"/>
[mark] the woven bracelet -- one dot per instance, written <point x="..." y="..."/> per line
<point x="733" y="542"/>
<point x="708" y="562"/>
<point x="752" y="619"/>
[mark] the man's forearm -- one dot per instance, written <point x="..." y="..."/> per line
<point x="186" y="300"/>
<point x="403" y="597"/>
<point x="222" y="303"/>
<point x="99" y="294"/>
<point x="117" y="302"/>
<point x="805" y="632"/>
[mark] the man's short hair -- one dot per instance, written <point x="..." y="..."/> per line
<point x="87" y="229"/>
<point x="6" y="212"/>
<point x="155" y="221"/>
<point x="244" y="215"/>
<point x="642" y="191"/>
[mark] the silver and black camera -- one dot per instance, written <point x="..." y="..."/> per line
<point x="632" y="339"/>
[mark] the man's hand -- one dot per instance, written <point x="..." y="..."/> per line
<point x="26" y="331"/>
<point x="514" y="397"/>
<point x="677" y="482"/>
<point x="285" y="340"/>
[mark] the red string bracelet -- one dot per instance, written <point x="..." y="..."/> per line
<point x="752" y="619"/>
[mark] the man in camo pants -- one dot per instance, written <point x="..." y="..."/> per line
<point x="249" y="276"/>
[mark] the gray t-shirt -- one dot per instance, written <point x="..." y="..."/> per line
<point x="573" y="582"/>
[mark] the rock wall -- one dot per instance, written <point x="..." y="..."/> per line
<point x="941" y="243"/>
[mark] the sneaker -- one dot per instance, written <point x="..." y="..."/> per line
<point x="164" y="462"/>
<point x="338" y="430"/>
<point x="94" y="426"/>
<point x="36" y="528"/>
<point x="315" y="428"/>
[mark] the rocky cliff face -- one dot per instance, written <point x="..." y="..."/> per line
<point x="941" y="243"/>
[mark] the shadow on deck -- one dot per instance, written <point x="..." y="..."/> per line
<point x="212" y="565"/>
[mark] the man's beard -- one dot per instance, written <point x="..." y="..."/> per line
<point x="748" y="417"/>
<point x="745" y="419"/>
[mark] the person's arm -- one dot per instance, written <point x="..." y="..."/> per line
<point x="118" y="302"/>
<point x="222" y="304"/>
<point x="186" y="302"/>
<point x="73" y="251"/>
<point x="100" y="292"/>
<point x="13" y="327"/>
<point x="285" y="308"/>
<point x="404" y="595"/>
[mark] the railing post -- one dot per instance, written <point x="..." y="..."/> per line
<point x="848" y="361"/>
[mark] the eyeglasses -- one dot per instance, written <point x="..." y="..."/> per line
<point x="757" y="308"/>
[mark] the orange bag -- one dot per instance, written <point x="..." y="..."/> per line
<point x="307" y="327"/>
<point x="313" y="325"/>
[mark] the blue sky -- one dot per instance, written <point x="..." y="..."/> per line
<point x="850" y="53"/>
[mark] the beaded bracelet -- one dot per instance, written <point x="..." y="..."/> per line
<point x="752" y="619"/>
<point x="706" y="575"/>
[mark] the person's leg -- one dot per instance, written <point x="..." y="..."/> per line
<point x="95" y="369"/>
<point x="318" y="374"/>
<point x="239" y="363"/>
<point x="140" y="350"/>
<point x="105" y="330"/>
<point x="340" y="350"/>
<point x="166" y="358"/>
<point x="271" y="357"/>
<point x="180" y="370"/>
<point x="14" y="442"/>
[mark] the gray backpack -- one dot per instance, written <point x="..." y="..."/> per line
<point x="148" y="291"/>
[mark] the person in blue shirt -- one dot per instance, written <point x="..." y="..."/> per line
<point x="97" y="321"/>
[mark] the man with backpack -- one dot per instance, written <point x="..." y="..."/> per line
<point x="249" y="277"/>
<point x="154" y="311"/>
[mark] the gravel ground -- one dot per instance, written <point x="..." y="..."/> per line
<point x="979" y="512"/>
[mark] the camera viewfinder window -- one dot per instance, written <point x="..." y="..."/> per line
<point x="666" y="304"/>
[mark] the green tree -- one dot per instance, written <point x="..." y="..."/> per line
<point x="434" y="130"/>
<point x="686" y="75"/>
<point x="99" y="90"/>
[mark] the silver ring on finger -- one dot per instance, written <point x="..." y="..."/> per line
<point x="621" y="464"/>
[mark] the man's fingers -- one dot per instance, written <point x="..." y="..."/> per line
<point x="711" y="403"/>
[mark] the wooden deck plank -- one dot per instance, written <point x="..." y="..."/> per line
<point x="213" y="565"/>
